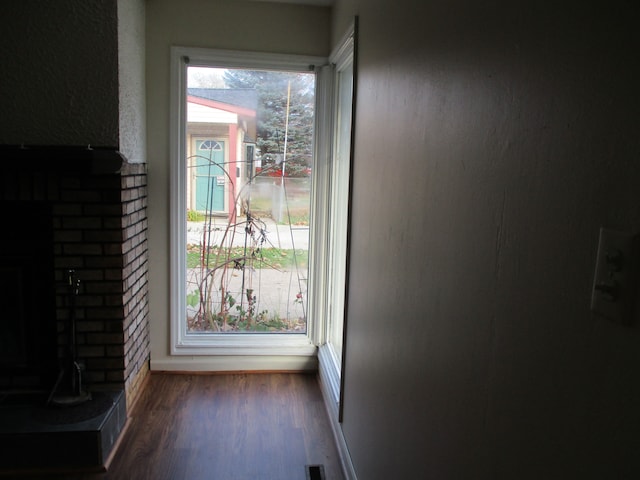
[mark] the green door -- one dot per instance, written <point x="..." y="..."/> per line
<point x="210" y="176"/>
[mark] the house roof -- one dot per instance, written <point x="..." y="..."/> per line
<point x="239" y="97"/>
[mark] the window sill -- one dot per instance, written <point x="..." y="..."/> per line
<point x="235" y="363"/>
<point x="244" y="344"/>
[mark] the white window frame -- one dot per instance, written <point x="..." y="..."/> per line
<point x="332" y="293"/>
<point x="182" y="342"/>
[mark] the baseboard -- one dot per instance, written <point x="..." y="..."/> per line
<point x="116" y="445"/>
<point x="332" y="411"/>
<point x="225" y="363"/>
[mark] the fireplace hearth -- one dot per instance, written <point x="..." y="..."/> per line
<point x="36" y="438"/>
<point x="81" y="210"/>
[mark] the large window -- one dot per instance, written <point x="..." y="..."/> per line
<point x="242" y="176"/>
<point x="259" y="203"/>
<point x="248" y="218"/>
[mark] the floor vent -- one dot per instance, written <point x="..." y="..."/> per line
<point x="315" y="472"/>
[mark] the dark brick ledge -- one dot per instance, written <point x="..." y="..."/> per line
<point x="60" y="159"/>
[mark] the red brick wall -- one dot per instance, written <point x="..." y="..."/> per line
<point x="135" y="278"/>
<point x="100" y="232"/>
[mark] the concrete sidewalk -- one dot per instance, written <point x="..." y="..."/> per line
<point x="277" y="235"/>
<point x="275" y="290"/>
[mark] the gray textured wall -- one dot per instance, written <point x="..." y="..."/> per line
<point x="493" y="139"/>
<point x="131" y="73"/>
<point x="59" y="82"/>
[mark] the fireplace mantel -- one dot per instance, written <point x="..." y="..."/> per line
<point x="61" y="159"/>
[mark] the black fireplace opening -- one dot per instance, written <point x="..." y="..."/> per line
<point x="28" y="325"/>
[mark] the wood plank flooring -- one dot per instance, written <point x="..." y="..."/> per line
<point x="225" y="427"/>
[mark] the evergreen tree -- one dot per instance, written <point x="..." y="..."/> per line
<point x="272" y="90"/>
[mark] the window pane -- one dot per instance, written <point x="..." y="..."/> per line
<point x="339" y="200"/>
<point x="249" y="161"/>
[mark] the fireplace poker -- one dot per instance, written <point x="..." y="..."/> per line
<point x="73" y="368"/>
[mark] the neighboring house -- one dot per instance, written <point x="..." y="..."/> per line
<point x="221" y="132"/>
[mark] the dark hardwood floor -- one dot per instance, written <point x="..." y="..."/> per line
<point x="224" y="427"/>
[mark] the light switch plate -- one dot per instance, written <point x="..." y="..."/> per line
<point x="614" y="286"/>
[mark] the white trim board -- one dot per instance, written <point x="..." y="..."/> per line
<point x="219" y="364"/>
<point x="341" y="444"/>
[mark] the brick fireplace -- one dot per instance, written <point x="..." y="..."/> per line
<point x="80" y="210"/>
